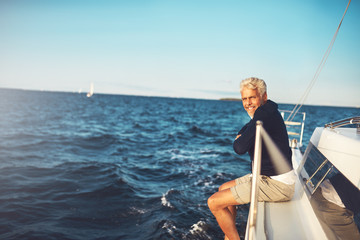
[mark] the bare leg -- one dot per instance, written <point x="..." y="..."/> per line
<point x="232" y="209"/>
<point x="219" y="204"/>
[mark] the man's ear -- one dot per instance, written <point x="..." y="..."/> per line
<point x="264" y="97"/>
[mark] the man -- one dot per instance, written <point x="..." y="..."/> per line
<point x="277" y="180"/>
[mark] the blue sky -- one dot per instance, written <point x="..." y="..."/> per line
<point x="187" y="48"/>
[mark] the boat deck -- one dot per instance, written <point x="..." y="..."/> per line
<point x="289" y="220"/>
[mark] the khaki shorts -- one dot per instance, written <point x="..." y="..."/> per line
<point x="270" y="190"/>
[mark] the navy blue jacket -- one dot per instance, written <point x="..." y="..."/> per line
<point x="274" y="125"/>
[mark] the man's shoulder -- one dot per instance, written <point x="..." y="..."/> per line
<point x="268" y="109"/>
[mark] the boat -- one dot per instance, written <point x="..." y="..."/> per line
<point x="91" y="92"/>
<point x="326" y="201"/>
<point x="330" y="165"/>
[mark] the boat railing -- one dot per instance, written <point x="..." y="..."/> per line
<point x="295" y="125"/>
<point x="251" y="224"/>
<point x="345" y="122"/>
<point x="281" y="165"/>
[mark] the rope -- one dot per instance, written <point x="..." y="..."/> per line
<point x="319" y="69"/>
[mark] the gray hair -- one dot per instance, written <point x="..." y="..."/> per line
<point x="254" y="83"/>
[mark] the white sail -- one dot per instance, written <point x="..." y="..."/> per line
<point x="91" y="92"/>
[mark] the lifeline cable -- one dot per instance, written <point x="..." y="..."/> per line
<point x="317" y="73"/>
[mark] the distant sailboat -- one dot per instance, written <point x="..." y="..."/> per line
<point x="89" y="94"/>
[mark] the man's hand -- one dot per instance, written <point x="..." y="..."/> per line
<point x="237" y="136"/>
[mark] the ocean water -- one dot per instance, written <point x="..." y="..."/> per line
<point x="120" y="167"/>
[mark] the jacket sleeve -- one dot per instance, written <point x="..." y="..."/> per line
<point x="243" y="143"/>
<point x="243" y="129"/>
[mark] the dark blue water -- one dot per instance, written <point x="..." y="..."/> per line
<point x="120" y="167"/>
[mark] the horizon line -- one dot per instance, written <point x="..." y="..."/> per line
<point x="230" y="99"/>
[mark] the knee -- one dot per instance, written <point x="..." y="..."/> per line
<point x="214" y="203"/>
<point x="211" y="203"/>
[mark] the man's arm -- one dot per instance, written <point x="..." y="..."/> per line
<point x="245" y="138"/>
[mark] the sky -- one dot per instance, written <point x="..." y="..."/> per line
<point x="182" y="48"/>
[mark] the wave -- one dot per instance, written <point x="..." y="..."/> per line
<point x="164" y="201"/>
<point x="199" y="230"/>
<point x="197" y="130"/>
<point x="95" y="142"/>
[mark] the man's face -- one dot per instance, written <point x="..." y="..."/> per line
<point x="251" y="100"/>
